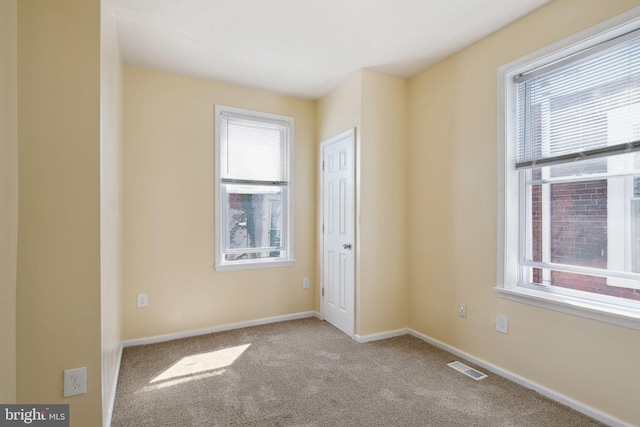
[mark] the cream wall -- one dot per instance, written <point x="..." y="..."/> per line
<point x="168" y="243"/>
<point x="8" y="196"/>
<point x="340" y="110"/>
<point x="375" y="104"/>
<point x="110" y="205"/>
<point x="452" y="221"/>
<point x="58" y="270"/>
<point x="383" y="205"/>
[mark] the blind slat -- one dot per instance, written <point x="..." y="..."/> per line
<point x="584" y="106"/>
<point x="253" y="149"/>
<point x="592" y="51"/>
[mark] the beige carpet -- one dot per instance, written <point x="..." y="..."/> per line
<point x="307" y="373"/>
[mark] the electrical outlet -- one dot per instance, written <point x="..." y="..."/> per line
<point x="462" y="310"/>
<point x="502" y="323"/>
<point x="305" y="282"/>
<point x="143" y="300"/>
<point x="75" y="381"/>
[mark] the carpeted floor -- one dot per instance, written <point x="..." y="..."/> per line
<point x="307" y="373"/>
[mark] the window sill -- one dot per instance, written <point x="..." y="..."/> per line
<point x="252" y="265"/>
<point x="609" y="313"/>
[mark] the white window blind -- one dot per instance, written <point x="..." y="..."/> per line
<point x="563" y="106"/>
<point x="253" y="150"/>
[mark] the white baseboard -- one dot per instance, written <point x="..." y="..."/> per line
<point x="381" y="335"/>
<point x="551" y="394"/>
<point x="114" y="388"/>
<point x="221" y="328"/>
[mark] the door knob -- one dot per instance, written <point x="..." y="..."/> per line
<point x="347" y="246"/>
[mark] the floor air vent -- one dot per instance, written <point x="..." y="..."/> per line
<point x="467" y="370"/>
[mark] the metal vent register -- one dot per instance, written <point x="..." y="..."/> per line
<point x="467" y="370"/>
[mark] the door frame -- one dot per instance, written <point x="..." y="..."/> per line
<point x="353" y="134"/>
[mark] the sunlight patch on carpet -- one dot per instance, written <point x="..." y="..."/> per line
<point x="197" y="366"/>
<point x="182" y="380"/>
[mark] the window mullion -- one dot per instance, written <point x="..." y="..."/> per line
<point x="526" y="233"/>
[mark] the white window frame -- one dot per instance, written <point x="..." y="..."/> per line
<point x="619" y="231"/>
<point x="611" y="310"/>
<point x="220" y="200"/>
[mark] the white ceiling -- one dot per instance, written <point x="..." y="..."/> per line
<point x="303" y="48"/>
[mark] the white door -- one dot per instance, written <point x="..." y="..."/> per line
<point x="338" y="204"/>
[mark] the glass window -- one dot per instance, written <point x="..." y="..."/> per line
<point x="571" y="221"/>
<point x="253" y="221"/>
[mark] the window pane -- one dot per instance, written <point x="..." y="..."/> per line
<point x="575" y="215"/>
<point x="586" y="283"/>
<point x="585" y="216"/>
<point x="254" y="221"/>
